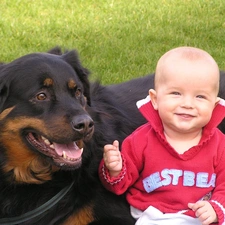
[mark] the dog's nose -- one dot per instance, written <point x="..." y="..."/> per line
<point x="83" y="124"/>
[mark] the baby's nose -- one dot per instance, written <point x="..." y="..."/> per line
<point x="187" y="102"/>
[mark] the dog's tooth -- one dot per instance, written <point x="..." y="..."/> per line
<point x="47" y="142"/>
<point x="52" y="146"/>
<point x="43" y="138"/>
<point x="82" y="149"/>
<point x="64" y="155"/>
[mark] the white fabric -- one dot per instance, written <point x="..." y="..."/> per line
<point x="143" y="101"/>
<point x="153" y="216"/>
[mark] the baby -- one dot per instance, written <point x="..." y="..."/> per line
<point x="172" y="168"/>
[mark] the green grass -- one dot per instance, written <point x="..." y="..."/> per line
<point x="117" y="39"/>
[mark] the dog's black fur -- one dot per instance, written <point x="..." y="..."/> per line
<point x="49" y="94"/>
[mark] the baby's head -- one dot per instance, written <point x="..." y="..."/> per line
<point x="186" y="88"/>
<point x="191" y="63"/>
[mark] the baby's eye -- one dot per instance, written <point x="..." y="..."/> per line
<point x="175" y="93"/>
<point x="201" y="96"/>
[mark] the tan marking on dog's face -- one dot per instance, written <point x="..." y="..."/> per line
<point x="72" y="84"/>
<point x="27" y="166"/>
<point x="48" y="82"/>
<point x="83" y="217"/>
<point x="5" y="113"/>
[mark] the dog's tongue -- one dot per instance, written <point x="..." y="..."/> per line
<point x="71" y="150"/>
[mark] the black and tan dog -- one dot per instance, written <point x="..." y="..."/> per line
<point x="53" y="126"/>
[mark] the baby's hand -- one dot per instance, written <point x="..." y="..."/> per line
<point x="112" y="158"/>
<point x="204" y="211"/>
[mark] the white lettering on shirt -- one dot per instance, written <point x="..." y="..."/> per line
<point x="174" y="176"/>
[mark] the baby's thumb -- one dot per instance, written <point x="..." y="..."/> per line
<point x="190" y="205"/>
<point x="116" y="144"/>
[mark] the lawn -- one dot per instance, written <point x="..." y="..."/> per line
<point x="117" y="39"/>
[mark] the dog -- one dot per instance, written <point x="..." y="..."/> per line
<point x="53" y="126"/>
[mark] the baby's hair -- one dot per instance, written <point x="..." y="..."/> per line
<point x="186" y="53"/>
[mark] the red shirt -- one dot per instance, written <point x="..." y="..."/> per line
<point x="155" y="174"/>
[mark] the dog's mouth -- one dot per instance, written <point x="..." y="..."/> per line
<point x="64" y="155"/>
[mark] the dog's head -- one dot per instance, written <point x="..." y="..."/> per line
<point x="43" y="120"/>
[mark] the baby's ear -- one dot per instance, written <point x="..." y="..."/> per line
<point x="153" y="97"/>
<point x="217" y="100"/>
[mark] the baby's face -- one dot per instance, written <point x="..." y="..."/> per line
<point x="186" y="94"/>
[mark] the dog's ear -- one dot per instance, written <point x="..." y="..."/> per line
<point x="4" y="91"/>
<point x="72" y="58"/>
<point x="4" y="87"/>
<point x="55" y="51"/>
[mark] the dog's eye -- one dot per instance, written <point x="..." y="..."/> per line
<point x="78" y="93"/>
<point x="41" y="96"/>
